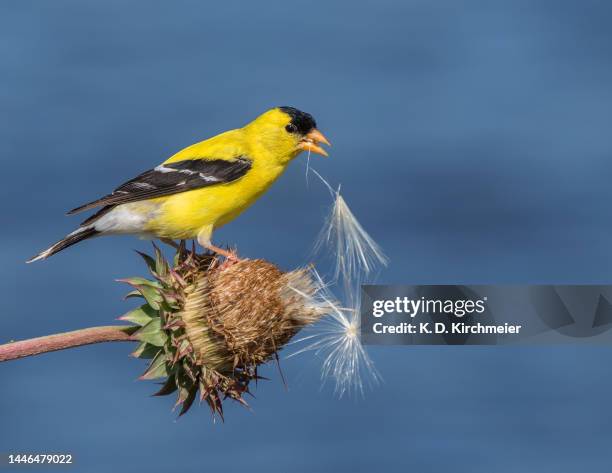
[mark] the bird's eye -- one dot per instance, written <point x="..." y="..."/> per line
<point x="291" y="128"/>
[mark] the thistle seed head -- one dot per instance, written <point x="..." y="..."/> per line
<point x="207" y="327"/>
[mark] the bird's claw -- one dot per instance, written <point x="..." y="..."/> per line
<point x="231" y="256"/>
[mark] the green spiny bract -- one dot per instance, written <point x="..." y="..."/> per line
<point x="206" y="327"/>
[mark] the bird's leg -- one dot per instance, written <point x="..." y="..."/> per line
<point x="227" y="254"/>
<point x="204" y="240"/>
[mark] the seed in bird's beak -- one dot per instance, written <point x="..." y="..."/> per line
<point x="311" y="142"/>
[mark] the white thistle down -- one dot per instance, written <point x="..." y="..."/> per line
<point x="336" y="338"/>
<point x="356" y="253"/>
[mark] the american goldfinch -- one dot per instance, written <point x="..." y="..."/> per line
<point x="203" y="186"/>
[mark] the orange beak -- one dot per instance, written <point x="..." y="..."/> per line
<point x="311" y="142"/>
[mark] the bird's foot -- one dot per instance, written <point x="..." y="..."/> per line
<point x="228" y="263"/>
<point x="231" y="257"/>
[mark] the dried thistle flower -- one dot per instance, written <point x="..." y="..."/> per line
<point x="207" y="327"/>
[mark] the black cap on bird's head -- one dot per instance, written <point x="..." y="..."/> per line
<point x="304" y="124"/>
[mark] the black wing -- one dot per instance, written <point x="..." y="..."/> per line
<point x="173" y="178"/>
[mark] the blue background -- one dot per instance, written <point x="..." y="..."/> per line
<point x="472" y="139"/>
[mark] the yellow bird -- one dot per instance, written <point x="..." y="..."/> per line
<point x="203" y="186"/>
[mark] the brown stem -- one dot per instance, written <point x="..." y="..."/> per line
<point x="61" y="341"/>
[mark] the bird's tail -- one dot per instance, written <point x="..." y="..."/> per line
<point x="81" y="233"/>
